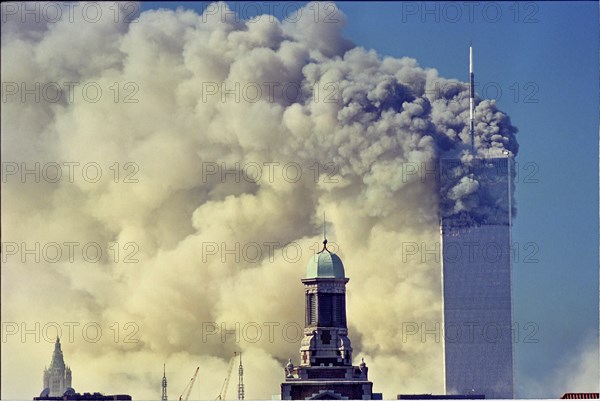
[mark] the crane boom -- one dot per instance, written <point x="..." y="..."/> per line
<point x="223" y="392"/>
<point x="188" y="389"/>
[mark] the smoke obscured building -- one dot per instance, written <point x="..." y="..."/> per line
<point x="476" y="213"/>
<point x="326" y="371"/>
<point x="57" y="377"/>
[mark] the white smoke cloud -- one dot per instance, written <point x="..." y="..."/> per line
<point x="370" y="118"/>
<point x="579" y="372"/>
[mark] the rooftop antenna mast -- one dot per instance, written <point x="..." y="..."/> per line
<point x="241" y="380"/>
<point x="471" y="101"/>
<point x="164" y="385"/>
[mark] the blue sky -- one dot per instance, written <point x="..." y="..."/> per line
<point x="544" y="58"/>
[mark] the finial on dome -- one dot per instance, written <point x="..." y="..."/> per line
<point x="324" y="235"/>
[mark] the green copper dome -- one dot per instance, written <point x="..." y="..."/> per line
<point x="325" y="265"/>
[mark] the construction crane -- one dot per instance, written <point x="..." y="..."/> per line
<point x="188" y="389"/>
<point x="223" y="392"/>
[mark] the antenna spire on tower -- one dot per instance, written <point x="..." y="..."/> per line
<point x="471" y="101"/>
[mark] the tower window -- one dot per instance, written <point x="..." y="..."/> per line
<point x="325" y="310"/>
<point x="339" y="310"/>
<point x="313" y="309"/>
<point x="325" y="337"/>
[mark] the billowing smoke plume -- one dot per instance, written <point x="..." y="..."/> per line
<point x="221" y="142"/>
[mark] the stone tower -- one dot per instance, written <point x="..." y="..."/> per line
<point x="326" y="370"/>
<point x="57" y="378"/>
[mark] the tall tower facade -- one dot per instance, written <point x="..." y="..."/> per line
<point x="325" y="370"/>
<point x="476" y="271"/>
<point x="57" y="377"/>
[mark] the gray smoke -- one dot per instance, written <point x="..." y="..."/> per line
<point x="361" y="129"/>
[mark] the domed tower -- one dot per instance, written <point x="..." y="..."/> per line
<point x="326" y="370"/>
<point x="326" y="341"/>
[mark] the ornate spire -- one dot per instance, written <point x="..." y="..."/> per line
<point x="57" y="376"/>
<point x="363" y="366"/>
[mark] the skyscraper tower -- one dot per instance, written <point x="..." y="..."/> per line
<point x="477" y="271"/>
<point x="241" y="380"/>
<point x="326" y="370"/>
<point x="164" y="385"/>
<point x="57" y="378"/>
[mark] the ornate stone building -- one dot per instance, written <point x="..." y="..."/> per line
<point x="325" y="371"/>
<point x="57" y="378"/>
